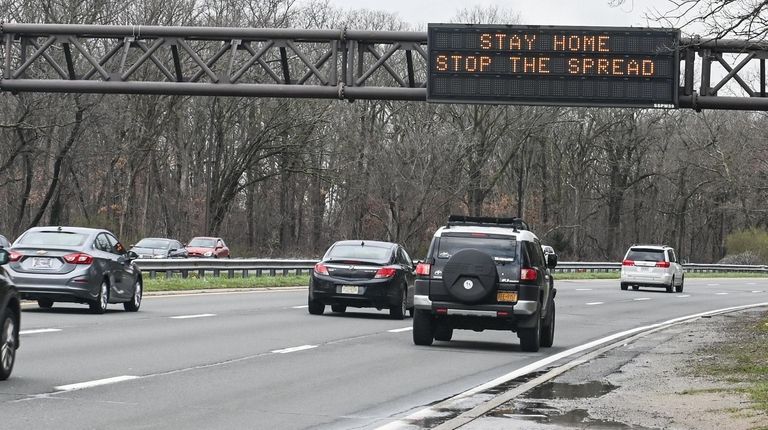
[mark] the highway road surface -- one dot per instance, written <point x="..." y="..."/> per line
<point x="249" y="360"/>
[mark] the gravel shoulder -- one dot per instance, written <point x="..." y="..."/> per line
<point x="670" y="379"/>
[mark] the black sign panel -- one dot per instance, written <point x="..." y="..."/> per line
<point x="569" y="66"/>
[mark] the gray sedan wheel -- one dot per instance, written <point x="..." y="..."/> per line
<point x="8" y="339"/>
<point x="135" y="303"/>
<point x="99" y="306"/>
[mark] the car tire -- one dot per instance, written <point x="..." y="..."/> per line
<point x="624" y="286"/>
<point x="9" y="337"/>
<point x="410" y="312"/>
<point x="135" y="303"/>
<point x="548" y="331"/>
<point x="679" y="288"/>
<point x="99" y="306"/>
<point x="671" y="286"/>
<point x="398" y="311"/>
<point x="443" y="332"/>
<point x="423" y="327"/>
<point x="635" y="287"/>
<point x="315" y="307"/>
<point x="339" y="308"/>
<point x="530" y="338"/>
<point x="45" y="303"/>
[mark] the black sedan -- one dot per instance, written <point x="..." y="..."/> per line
<point x="10" y="317"/>
<point x="363" y="273"/>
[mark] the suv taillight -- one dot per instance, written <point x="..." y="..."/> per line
<point x="662" y="264"/>
<point x="627" y="263"/>
<point x="423" y="269"/>
<point x="78" y="258"/>
<point x="14" y="256"/>
<point x="528" y="274"/>
<point x="321" y="269"/>
<point x="386" y="272"/>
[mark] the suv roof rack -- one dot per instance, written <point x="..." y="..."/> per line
<point x="462" y="220"/>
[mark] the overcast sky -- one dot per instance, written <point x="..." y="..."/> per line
<point x="532" y="12"/>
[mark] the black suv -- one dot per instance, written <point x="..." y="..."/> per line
<point x="485" y="273"/>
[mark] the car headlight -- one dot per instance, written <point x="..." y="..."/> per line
<point x="208" y="254"/>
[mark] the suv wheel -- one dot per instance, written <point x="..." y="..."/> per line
<point x="624" y="286"/>
<point x="423" y="327"/>
<point x="548" y="331"/>
<point x="671" y="286"/>
<point x="679" y="288"/>
<point x="8" y="338"/>
<point x="315" y="307"/>
<point x="398" y="311"/>
<point x="530" y="338"/>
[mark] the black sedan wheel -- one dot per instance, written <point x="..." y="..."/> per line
<point x="99" y="306"/>
<point x="45" y="303"/>
<point x="8" y="339"/>
<point x="339" y="308"/>
<point x="315" y="307"/>
<point x="135" y="302"/>
<point x="397" y="312"/>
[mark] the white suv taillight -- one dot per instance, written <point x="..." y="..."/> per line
<point x="627" y="263"/>
<point x="664" y="264"/>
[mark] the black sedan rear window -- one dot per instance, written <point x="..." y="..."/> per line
<point x="645" y="255"/>
<point x="60" y="238"/>
<point x="359" y="252"/>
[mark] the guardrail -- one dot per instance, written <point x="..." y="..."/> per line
<point x="258" y="267"/>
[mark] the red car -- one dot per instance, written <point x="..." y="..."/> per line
<point x="207" y="247"/>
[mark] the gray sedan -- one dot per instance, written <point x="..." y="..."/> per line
<point x="72" y="264"/>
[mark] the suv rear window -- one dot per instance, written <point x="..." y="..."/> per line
<point x="504" y="247"/>
<point x="645" y="255"/>
<point x="62" y="238"/>
<point x="375" y="254"/>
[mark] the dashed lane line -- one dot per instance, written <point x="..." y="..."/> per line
<point x="683" y="295"/>
<point x="721" y="294"/>
<point x="594" y="303"/>
<point x="300" y="307"/>
<point x="95" y="383"/>
<point x="293" y="349"/>
<point x="583" y="289"/>
<point x="641" y="299"/>
<point x="40" y="330"/>
<point x="400" y="330"/>
<point x="185" y="317"/>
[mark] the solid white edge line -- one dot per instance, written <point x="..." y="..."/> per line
<point x="594" y="303"/>
<point x="448" y="403"/>
<point x="293" y="349"/>
<point x="95" y="383"/>
<point x="40" y="330"/>
<point x="400" y="330"/>
<point x="184" y="317"/>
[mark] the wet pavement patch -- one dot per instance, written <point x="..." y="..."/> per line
<point x="560" y="390"/>
<point x="521" y="414"/>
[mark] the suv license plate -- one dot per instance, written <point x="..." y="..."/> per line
<point x="506" y="296"/>
<point x="349" y="289"/>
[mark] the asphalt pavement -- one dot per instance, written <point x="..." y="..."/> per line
<point x="259" y="360"/>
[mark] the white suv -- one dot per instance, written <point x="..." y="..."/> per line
<point x="652" y="266"/>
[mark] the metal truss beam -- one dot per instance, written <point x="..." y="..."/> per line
<point x="299" y="63"/>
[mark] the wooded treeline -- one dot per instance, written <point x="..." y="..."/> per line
<point x="285" y="178"/>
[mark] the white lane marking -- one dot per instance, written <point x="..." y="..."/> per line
<point x="712" y="285"/>
<point x="594" y="303"/>
<point x="721" y="294"/>
<point x="757" y="291"/>
<point x="300" y="307"/>
<point x="404" y="423"/>
<point x="683" y="295"/>
<point x="640" y="299"/>
<point x="293" y="349"/>
<point x="751" y="283"/>
<point x="583" y="289"/>
<point x="184" y="317"/>
<point x="40" y="330"/>
<point x="400" y="330"/>
<point x="96" y="383"/>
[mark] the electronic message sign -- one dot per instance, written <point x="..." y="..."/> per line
<point x="570" y="66"/>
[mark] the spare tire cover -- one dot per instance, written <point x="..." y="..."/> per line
<point x="470" y="275"/>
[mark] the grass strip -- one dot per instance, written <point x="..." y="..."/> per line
<point x="212" y="283"/>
